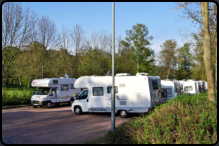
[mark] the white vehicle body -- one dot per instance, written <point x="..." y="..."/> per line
<point x="181" y="82"/>
<point x="53" y="91"/>
<point x="172" y="87"/>
<point x="190" y="87"/>
<point x="133" y="94"/>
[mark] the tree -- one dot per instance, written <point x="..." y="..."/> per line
<point x="139" y="41"/>
<point x="92" y="64"/>
<point x="207" y="52"/>
<point x="47" y="37"/>
<point x="77" y="36"/>
<point x="184" y="62"/>
<point x="198" y="70"/>
<point x="124" y="62"/>
<point x="16" y="28"/>
<point x="192" y="11"/>
<point x="167" y="57"/>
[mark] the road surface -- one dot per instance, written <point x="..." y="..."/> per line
<point x="57" y="125"/>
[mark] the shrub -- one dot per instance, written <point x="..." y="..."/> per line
<point x="183" y="120"/>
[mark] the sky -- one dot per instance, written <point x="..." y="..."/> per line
<point x="162" y="21"/>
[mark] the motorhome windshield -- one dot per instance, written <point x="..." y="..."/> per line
<point x="82" y="95"/>
<point x="42" y="91"/>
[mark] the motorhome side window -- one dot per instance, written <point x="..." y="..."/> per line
<point x="72" y="86"/>
<point x="55" y="81"/>
<point x="169" y="91"/>
<point x="188" y="88"/>
<point x="97" y="91"/>
<point x="109" y="89"/>
<point x="64" y="87"/>
<point x="155" y="84"/>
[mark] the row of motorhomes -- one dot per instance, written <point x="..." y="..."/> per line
<point x="133" y="94"/>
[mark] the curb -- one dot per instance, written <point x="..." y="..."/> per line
<point x="12" y="106"/>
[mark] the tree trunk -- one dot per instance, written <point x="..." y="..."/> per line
<point x="207" y="52"/>
<point x="20" y="80"/>
<point x="169" y="68"/>
<point x="29" y="82"/>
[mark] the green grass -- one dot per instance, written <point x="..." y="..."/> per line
<point x="182" y="120"/>
<point x="16" y="95"/>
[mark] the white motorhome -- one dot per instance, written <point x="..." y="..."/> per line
<point x="172" y="88"/>
<point x="190" y="87"/>
<point x="133" y="94"/>
<point x="53" y="91"/>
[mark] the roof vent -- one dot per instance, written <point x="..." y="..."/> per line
<point x="93" y="75"/>
<point x="123" y="74"/>
<point x="142" y="74"/>
<point x="62" y="77"/>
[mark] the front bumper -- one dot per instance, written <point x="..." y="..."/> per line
<point x="38" y="103"/>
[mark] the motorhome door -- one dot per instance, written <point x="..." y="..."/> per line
<point x="83" y="100"/>
<point x="53" y="95"/>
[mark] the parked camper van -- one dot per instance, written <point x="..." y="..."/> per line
<point x="172" y="88"/>
<point x="53" y="91"/>
<point x="190" y="87"/>
<point x="133" y="94"/>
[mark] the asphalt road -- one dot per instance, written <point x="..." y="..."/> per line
<point x="57" y="125"/>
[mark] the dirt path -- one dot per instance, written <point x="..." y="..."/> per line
<point x="57" y="125"/>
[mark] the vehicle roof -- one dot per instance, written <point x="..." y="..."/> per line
<point x="89" y="81"/>
<point x="48" y="82"/>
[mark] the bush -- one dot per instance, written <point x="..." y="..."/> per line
<point x="16" y="97"/>
<point x="183" y="120"/>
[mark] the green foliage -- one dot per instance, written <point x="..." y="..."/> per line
<point x="138" y="41"/>
<point x="184" y="62"/>
<point x="94" y="62"/>
<point x="16" y="95"/>
<point x="168" y="59"/>
<point x="185" y="119"/>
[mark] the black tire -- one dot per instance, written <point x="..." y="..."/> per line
<point x="78" y="110"/>
<point x="48" y="105"/>
<point x="123" y="114"/>
<point x="34" y="106"/>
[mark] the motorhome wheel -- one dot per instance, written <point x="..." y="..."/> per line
<point x="77" y="110"/>
<point x="34" y="106"/>
<point x="123" y="114"/>
<point x="48" y="105"/>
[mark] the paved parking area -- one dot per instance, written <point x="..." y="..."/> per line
<point x="57" y="125"/>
